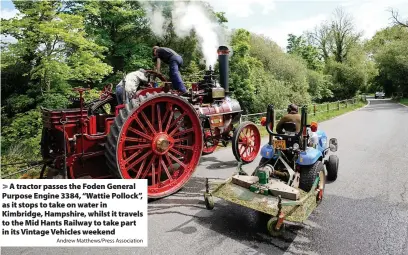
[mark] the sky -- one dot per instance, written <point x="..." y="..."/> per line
<point x="276" y="19"/>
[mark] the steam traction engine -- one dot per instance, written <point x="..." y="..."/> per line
<point x="157" y="135"/>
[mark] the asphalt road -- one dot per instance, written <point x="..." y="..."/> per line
<point x="364" y="212"/>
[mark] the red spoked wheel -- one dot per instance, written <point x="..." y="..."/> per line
<point x="246" y="142"/>
<point x="210" y="142"/>
<point x="155" y="137"/>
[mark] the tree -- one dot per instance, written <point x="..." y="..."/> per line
<point x="241" y="69"/>
<point x="345" y="38"/>
<point x="290" y="69"/>
<point x="54" y="44"/>
<point x="389" y="49"/>
<point x="321" y="38"/>
<point x="221" y="17"/>
<point x="336" y="37"/>
<point x="122" y="28"/>
<point x="297" y="45"/>
<point x="396" y="19"/>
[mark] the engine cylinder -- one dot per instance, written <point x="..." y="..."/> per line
<point x="228" y="106"/>
<point x="225" y="112"/>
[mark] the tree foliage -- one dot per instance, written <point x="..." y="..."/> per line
<point x="54" y="45"/>
<point x="389" y="49"/>
<point x="297" y="45"/>
<point x="336" y="37"/>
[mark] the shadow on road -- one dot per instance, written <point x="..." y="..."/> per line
<point x="218" y="164"/>
<point x="336" y="222"/>
<point x="229" y="220"/>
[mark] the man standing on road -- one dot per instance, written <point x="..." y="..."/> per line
<point x="292" y="116"/>
<point x="174" y="60"/>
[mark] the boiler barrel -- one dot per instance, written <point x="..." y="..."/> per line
<point x="223" y="53"/>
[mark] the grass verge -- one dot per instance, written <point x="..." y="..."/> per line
<point x="404" y="101"/>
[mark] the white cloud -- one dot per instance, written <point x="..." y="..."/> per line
<point x="7" y="39"/>
<point x="8" y="14"/>
<point x="371" y="16"/>
<point x="242" y="8"/>
<point x="279" y="32"/>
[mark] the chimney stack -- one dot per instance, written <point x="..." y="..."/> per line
<point x="223" y="53"/>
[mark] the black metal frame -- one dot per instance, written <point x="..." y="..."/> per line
<point x="270" y="117"/>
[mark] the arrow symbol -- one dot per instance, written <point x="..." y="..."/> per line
<point x="5" y="186"/>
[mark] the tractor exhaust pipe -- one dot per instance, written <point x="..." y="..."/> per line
<point x="223" y="53"/>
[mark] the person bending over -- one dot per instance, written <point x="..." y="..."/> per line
<point x="132" y="82"/>
<point x="174" y="60"/>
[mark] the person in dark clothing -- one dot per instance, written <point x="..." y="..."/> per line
<point x="292" y="116"/>
<point x="174" y="60"/>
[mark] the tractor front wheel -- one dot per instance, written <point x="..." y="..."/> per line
<point x="246" y="142"/>
<point x="155" y="137"/>
<point x="332" y="167"/>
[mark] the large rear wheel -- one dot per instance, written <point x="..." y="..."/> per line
<point x="157" y="137"/>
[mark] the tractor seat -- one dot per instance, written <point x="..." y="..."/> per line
<point x="289" y="128"/>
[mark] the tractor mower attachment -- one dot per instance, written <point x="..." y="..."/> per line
<point x="287" y="185"/>
<point x="268" y="200"/>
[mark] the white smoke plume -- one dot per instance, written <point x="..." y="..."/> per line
<point x="188" y="16"/>
<point x="158" y="22"/>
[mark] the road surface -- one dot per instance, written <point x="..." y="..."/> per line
<point x="364" y="212"/>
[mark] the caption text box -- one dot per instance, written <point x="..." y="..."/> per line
<point x="37" y="212"/>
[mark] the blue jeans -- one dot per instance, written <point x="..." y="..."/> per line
<point x="175" y="63"/>
<point x="119" y="94"/>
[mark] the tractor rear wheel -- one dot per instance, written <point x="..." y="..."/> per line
<point x="157" y="137"/>
<point x="308" y="175"/>
<point x="246" y="142"/>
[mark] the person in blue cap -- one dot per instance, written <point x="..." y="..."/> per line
<point x="174" y="60"/>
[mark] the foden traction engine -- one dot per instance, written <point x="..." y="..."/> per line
<point x="157" y="134"/>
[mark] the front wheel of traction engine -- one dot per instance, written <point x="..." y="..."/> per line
<point x="246" y="142"/>
<point x="155" y="138"/>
